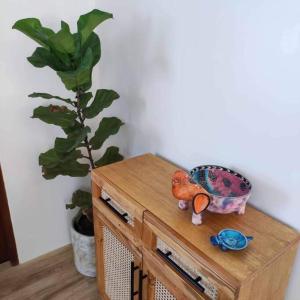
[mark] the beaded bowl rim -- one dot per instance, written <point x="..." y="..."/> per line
<point x="216" y="167"/>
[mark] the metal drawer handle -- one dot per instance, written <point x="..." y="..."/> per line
<point x="132" y="269"/>
<point x="116" y="212"/>
<point x="141" y="278"/>
<point x="193" y="281"/>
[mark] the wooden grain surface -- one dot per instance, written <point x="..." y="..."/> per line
<point x="51" y="276"/>
<point x="147" y="179"/>
<point x="4" y="266"/>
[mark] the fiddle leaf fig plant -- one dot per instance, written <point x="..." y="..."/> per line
<point x="73" y="56"/>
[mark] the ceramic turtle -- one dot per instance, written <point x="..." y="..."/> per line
<point x="230" y="239"/>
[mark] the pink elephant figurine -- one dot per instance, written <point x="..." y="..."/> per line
<point x="214" y="188"/>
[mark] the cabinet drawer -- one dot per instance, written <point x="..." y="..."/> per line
<point x="123" y="212"/>
<point x="163" y="246"/>
<point x="164" y="282"/>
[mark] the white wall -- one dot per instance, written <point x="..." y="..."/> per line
<point x="37" y="206"/>
<point x="215" y="82"/>
<point x="201" y="82"/>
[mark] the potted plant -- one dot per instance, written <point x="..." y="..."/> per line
<point x="72" y="56"/>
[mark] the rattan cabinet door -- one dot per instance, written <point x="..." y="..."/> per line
<point x="118" y="262"/>
<point x="163" y="283"/>
<point x="160" y="291"/>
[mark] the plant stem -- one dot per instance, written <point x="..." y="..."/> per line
<point x="86" y="141"/>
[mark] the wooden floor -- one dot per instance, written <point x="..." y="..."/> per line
<point x="4" y="266"/>
<point x="52" y="276"/>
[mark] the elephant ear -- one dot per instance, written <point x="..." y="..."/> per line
<point x="200" y="202"/>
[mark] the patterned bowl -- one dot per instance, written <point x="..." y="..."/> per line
<point x="230" y="239"/>
<point x="228" y="189"/>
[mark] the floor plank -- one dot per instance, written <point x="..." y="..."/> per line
<point x="4" y="266"/>
<point x="51" y="276"/>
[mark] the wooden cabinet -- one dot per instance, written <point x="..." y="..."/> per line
<point x="118" y="261"/>
<point x="148" y="249"/>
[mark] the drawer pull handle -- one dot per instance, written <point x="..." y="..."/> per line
<point x="116" y="212"/>
<point x="132" y="269"/>
<point x="193" y="281"/>
<point x="141" y="278"/>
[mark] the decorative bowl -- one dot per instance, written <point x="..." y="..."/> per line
<point x="230" y="239"/>
<point x="228" y="189"/>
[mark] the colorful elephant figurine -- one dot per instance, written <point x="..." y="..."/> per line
<point x="187" y="191"/>
<point x="217" y="189"/>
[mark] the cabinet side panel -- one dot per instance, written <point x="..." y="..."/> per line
<point x="96" y="190"/>
<point x="272" y="281"/>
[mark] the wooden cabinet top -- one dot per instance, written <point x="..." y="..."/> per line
<point x="146" y="179"/>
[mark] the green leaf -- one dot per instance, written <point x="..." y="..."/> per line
<point x="80" y="78"/>
<point x="103" y="99"/>
<point x="70" y="206"/>
<point x="88" y="22"/>
<point x="81" y="199"/>
<point x="84" y="99"/>
<point x="72" y="141"/>
<point x="52" y="158"/>
<point x="56" y="115"/>
<point x="69" y="168"/>
<point x="52" y="54"/>
<point x="54" y="164"/>
<point x="93" y="42"/>
<point x="48" y="96"/>
<point x="63" y="40"/>
<point x="32" y="27"/>
<point x="110" y="156"/>
<point x="107" y="127"/>
<point x="72" y="128"/>
<point x="42" y="57"/>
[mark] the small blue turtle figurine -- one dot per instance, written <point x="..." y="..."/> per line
<point x="230" y="239"/>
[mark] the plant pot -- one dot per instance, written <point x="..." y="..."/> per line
<point x="84" y="252"/>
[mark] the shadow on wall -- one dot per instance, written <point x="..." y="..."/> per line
<point x="263" y="189"/>
<point x="143" y="59"/>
